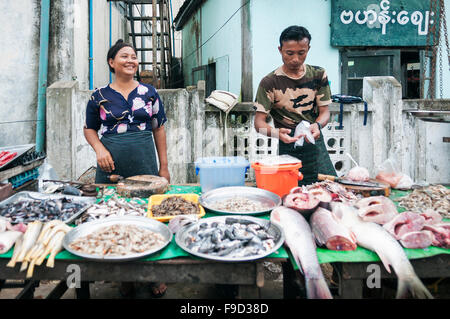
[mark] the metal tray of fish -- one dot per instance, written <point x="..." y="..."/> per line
<point x="190" y="233"/>
<point x="90" y="227"/>
<point x="261" y="196"/>
<point x="32" y="196"/>
<point x="20" y="149"/>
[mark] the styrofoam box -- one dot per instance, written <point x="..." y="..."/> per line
<point x="215" y="172"/>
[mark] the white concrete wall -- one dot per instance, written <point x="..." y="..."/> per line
<point x="81" y="38"/>
<point x="196" y="130"/>
<point x="18" y="71"/>
<point x="68" y="56"/>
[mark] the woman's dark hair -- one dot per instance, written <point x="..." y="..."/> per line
<point x="112" y="52"/>
<point x="294" y="32"/>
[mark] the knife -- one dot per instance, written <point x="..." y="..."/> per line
<point x="322" y="177"/>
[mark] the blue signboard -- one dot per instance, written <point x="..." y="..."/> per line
<point x="381" y="23"/>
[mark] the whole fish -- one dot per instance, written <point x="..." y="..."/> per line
<point x="29" y="239"/>
<point x="374" y="237"/>
<point x="329" y="232"/>
<point x="300" y="240"/>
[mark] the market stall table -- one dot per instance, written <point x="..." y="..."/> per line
<point x="351" y="267"/>
<point x="170" y="265"/>
<point x="173" y="265"/>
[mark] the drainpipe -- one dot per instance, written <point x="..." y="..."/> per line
<point x="110" y="38"/>
<point x="173" y="30"/>
<point x="43" y="71"/>
<point x="91" y="67"/>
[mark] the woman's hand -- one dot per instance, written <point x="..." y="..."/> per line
<point x="105" y="160"/>
<point x="164" y="172"/>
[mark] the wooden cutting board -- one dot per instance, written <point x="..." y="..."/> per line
<point x="366" y="191"/>
<point x="142" y="186"/>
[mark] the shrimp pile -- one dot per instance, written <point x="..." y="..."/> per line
<point x="436" y="197"/>
<point x="118" y="240"/>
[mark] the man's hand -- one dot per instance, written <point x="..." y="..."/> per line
<point x="105" y="160"/>
<point x="315" y="131"/>
<point x="283" y="135"/>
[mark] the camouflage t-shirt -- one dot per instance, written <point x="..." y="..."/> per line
<point x="290" y="100"/>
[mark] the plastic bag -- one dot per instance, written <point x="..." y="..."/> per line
<point x="303" y="128"/>
<point x="388" y="172"/>
<point x="46" y="172"/>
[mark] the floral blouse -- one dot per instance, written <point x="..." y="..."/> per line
<point x="107" y="109"/>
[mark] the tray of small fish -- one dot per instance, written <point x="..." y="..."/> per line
<point x="233" y="238"/>
<point x="167" y="206"/>
<point x="118" y="238"/>
<point x="240" y="200"/>
<point x="115" y="206"/>
<point x="25" y="207"/>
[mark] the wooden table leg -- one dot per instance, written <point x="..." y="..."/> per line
<point x="28" y="291"/>
<point x="58" y="291"/>
<point x="83" y="291"/>
<point x="351" y="289"/>
<point x="248" y="292"/>
<point x="290" y="288"/>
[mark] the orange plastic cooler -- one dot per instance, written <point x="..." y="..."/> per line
<point x="278" y="179"/>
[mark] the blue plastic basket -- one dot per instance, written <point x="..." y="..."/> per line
<point x="21" y="179"/>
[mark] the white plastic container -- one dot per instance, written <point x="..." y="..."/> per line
<point x="215" y="172"/>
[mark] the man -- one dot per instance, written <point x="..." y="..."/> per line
<point x="294" y="92"/>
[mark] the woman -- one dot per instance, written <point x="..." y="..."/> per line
<point x="129" y="114"/>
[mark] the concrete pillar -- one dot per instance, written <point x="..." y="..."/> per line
<point x="178" y="134"/>
<point x="383" y="95"/>
<point x="67" y="149"/>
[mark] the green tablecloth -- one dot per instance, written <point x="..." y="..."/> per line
<point x="324" y="255"/>
<point x="365" y="255"/>
<point x="172" y="250"/>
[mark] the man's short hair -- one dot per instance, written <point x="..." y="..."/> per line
<point x="294" y="32"/>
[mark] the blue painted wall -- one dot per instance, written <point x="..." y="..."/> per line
<point x="224" y="48"/>
<point x="268" y="19"/>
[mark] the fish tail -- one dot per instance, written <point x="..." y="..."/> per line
<point x="317" y="288"/>
<point x="414" y="286"/>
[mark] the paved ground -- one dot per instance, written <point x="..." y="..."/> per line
<point x="273" y="289"/>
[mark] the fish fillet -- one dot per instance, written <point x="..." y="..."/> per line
<point x="377" y="209"/>
<point x="7" y="240"/>
<point x="329" y="232"/>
